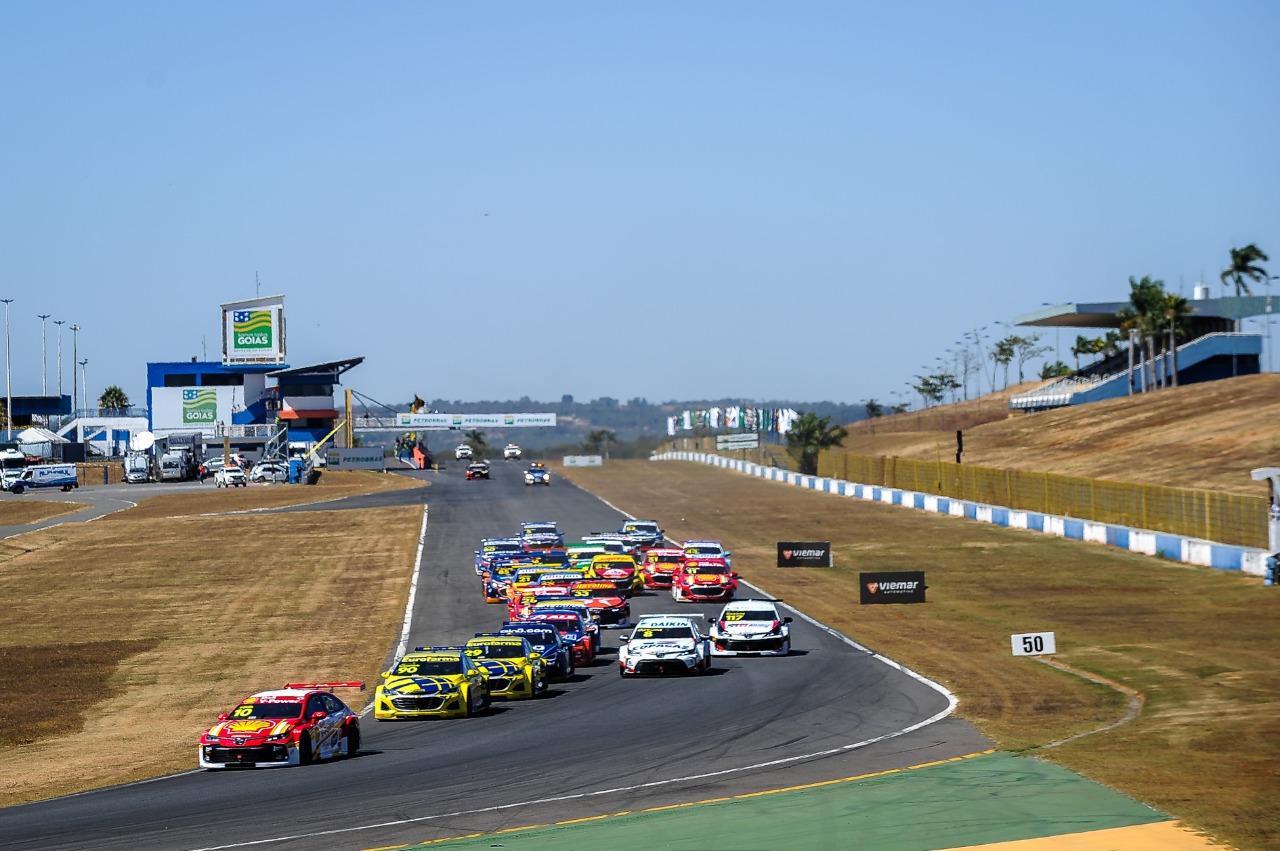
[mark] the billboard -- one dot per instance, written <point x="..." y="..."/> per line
<point x="358" y="458"/>
<point x="804" y="554"/>
<point x="903" y="586"/>
<point x="253" y="331"/>
<point x="429" y="421"/>
<point x="192" y="408"/>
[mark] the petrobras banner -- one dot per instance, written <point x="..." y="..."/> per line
<point x="253" y="331"/>
<point x="358" y="458"/>
<point x="583" y="461"/>
<point x="437" y="421"/>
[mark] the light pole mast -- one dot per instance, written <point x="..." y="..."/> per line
<point x="8" y="386"/>
<point x="44" y="353"/>
<point x="75" y="354"/>
<point x="84" y="381"/>
<point x="59" y="323"/>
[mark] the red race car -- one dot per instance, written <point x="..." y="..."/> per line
<point x="659" y="565"/>
<point x="295" y="725"/>
<point x="703" y="580"/>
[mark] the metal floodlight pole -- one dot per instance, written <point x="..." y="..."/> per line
<point x="84" y="382"/>
<point x="59" y="323"/>
<point x="8" y="386"/>
<point x="75" y="354"/>
<point x="44" y="353"/>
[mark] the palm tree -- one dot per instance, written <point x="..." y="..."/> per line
<point x="1244" y="264"/>
<point x="113" y="399"/>
<point x="475" y="437"/>
<point x="809" y="435"/>
<point x="1083" y="346"/>
<point x="1174" y="310"/>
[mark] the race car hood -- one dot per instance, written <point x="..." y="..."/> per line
<point x="420" y="685"/>
<point x="660" y="647"/>
<point x="251" y="729"/>
<point x="708" y="579"/>
<point x="498" y="667"/>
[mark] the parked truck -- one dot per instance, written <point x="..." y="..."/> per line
<point x="180" y="456"/>
<point x="12" y="463"/>
<point x="46" y="476"/>
<point x="137" y="467"/>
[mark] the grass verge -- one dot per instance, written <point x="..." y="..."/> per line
<point x="156" y="624"/>
<point x="1199" y="645"/>
<point x="19" y="511"/>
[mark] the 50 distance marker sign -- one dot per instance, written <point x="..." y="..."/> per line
<point x="1034" y="644"/>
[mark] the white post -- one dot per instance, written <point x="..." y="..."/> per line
<point x="44" y="353"/>
<point x="84" y="381"/>
<point x="59" y="323"/>
<point x="8" y="387"/>
<point x="75" y="354"/>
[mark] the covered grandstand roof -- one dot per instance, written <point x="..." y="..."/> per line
<point x="1102" y="314"/>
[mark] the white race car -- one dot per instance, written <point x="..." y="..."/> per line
<point x="462" y="452"/>
<point x="750" y="626"/>
<point x="664" y="644"/>
<point x="511" y="452"/>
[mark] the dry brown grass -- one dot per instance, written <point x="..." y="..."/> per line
<point x="1200" y="645"/>
<point x="1199" y="436"/>
<point x="163" y="622"/>
<point x="21" y="510"/>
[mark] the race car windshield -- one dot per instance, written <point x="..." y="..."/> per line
<point x="754" y="615"/>
<point x="707" y="571"/>
<point x="428" y="669"/>
<point x="268" y="711"/>
<point x="663" y="632"/>
<point x="665" y="559"/>
<point x="539" y="530"/>
<point x="497" y="651"/>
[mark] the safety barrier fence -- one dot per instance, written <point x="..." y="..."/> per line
<point x="1222" y="515"/>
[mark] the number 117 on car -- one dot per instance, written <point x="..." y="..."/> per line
<point x="1034" y="644"/>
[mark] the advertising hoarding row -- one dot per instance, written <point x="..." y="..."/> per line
<point x="429" y="421"/>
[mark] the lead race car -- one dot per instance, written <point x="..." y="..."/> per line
<point x="664" y="644"/>
<point x="750" y="626"/>
<point x="294" y="725"/>
<point x="511" y="452"/>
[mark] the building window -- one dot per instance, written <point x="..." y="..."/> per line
<point x="180" y="379"/>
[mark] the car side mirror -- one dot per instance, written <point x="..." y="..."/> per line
<point x="224" y="716"/>
<point x="386" y="674"/>
<point x="711" y="620"/>
<point x="786" y="620"/>
<point x="727" y="554"/>
<point x="623" y="639"/>
<point x="318" y="714"/>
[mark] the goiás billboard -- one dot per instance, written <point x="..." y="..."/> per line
<point x="253" y="331"/>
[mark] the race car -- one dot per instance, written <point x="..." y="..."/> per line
<point x="702" y="580"/>
<point x="582" y="554"/>
<point x="516" y="671"/>
<point x="496" y="548"/>
<point x="539" y="534"/>
<point x="601" y="596"/>
<point x="511" y="452"/>
<point x="537" y="474"/>
<point x="573" y="631"/>
<point x="432" y="682"/>
<point x="545" y="639"/>
<point x="463" y="451"/>
<point x="573" y="605"/>
<point x="619" y="569"/>
<point x="659" y="565"/>
<point x="478" y="470"/>
<point x="497" y="579"/>
<point x="750" y="626"/>
<point x="664" y="644"/>
<point x="643" y="533"/>
<point x="706" y="549"/>
<point x="295" y="725"/>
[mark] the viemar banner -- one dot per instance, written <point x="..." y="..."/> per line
<point x="437" y="421"/>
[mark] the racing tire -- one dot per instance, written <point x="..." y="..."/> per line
<point x="466" y="706"/>
<point x="304" y="749"/>
<point x="706" y="667"/>
<point x="786" y="648"/>
<point x="622" y="672"/>
<point x="353" y="740"/>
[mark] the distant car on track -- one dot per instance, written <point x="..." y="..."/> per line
<point x="511" y="452"/>
<point x="462" y="452"/>
<point x="537" y="474"/>
<point x="478" y="470"/>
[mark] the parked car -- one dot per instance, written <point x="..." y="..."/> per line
<point x="269" y="471"/>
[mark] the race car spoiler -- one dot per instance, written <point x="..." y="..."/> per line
<point x="326" y="685"/>
<point x="439" y="648"/>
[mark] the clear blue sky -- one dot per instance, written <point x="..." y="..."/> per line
<point x="671" y="200"/>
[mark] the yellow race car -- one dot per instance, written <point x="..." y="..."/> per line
<point x="432" y="682"/>
<point x="516" y="671"/>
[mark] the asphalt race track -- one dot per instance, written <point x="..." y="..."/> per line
<point x="596" y="745"/>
